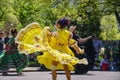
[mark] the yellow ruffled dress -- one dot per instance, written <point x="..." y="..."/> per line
<point x="59" y="41"/>
<point x="55" y="46"/>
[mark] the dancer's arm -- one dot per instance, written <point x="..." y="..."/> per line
<point x="73" y="44"/>
<point x="77" y="48"/>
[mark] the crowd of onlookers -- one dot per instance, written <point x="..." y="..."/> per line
<point x="107" y="54"/>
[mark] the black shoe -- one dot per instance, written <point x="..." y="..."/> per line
<point x="19" y="73"/>
<point x="5" y="74"/>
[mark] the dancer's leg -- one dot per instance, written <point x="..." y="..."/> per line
<point x="53" y="69"/>
<point x="67" y="71"/>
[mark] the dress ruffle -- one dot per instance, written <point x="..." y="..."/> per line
<point x="33" y="38"/>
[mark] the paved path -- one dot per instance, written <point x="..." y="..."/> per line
<point x="46" y="75"/>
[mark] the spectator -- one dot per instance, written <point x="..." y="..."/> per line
<point x="97" y="45"/>
<point x="107" y="47"/>
<point x="6" y="38"/>
<point x="1" y="41"/>
<point x="115" y="56"/>
<point x="104" y="64"/>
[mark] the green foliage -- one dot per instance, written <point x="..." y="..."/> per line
<point x="46" y="12"/>
<point x="1" y="25"/>
<point x="109" y="29"/>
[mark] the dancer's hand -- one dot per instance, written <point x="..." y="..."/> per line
<point x="80" y="51"/>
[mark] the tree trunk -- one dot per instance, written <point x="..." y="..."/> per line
<point x="117" y="16"/>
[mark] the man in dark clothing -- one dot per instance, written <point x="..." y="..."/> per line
<point x="89" y="51"/>
<point x="76" y="36"/>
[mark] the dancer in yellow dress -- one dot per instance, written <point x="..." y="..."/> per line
<point x="61" y="41"/>
<point x="54" y="45"/>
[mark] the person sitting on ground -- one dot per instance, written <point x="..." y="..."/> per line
<point x="104" y="64"/>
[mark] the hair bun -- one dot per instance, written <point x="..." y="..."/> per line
<point x="65" y="21"/>
<point x="13" y="30"/>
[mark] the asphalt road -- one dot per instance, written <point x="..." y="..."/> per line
<point x="46" y="75"/>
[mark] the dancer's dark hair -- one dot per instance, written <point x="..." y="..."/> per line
<point x="63" y="22"/>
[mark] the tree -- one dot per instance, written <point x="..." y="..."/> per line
<point x="109" y="29"/>
<point x="110" y="7"/>
<point x="8" y="17"/>
<point x="87" y="13"/>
